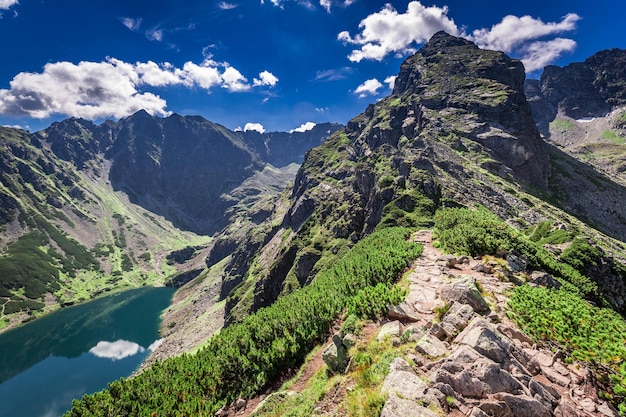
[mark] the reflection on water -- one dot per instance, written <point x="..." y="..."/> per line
<point x="120" y="349"/>
<point x="47" y="363"/>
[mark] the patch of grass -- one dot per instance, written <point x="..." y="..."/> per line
<point x="610" y="135"/>
<point x="562" y="125"/>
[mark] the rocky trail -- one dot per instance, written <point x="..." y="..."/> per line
<point x="467" y="358"/>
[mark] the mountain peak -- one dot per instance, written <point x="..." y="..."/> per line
<point x="481" y="94"/>
<point x="442" y="40"/>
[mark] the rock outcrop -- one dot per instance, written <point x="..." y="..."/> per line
<point x="579" y="90"/>
<point x="489" y="368"/>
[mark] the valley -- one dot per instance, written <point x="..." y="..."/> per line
<point x="271" y="238"/>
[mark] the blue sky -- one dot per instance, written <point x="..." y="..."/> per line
<point x="259" y="64"/>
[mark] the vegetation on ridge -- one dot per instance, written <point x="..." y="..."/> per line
<point x="587" y="332"/>
<point x="245" y="357"/>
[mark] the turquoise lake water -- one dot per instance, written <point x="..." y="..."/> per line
<point x="47" y="363"/>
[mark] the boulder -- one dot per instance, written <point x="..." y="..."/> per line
<point x="336" y="355"/>
<point x="496" y="408"/>
<point x="399" y="407"/>
<point x="456" y="319"/>
<point x="403" y="311"/>
<point x="405" y="385"/>
<point x="464" y="291"/>
<point x="548" y="397"/>
<point x="400" y="364"/>
<point x="415" y="333"/>
<point x="464" y="383"/>
<point x="389" y="329"/>
<point x="514" y="334"/>
<point x="430" y="346"/>
<point x="543" y="279"/>
<point x="524" y="406"/>
<point x="483" y="339"/>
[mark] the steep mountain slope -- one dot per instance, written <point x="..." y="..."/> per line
<point x="66" y="236"/>
<point x="457" y="130"/>
<point x="456" y="134"/>
<point x="87" y="209"/>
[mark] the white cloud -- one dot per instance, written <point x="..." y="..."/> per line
<point x="322" y="109"/>
<point x="223" y="5"/>
<point x="257" y="127"/>
<point x="304" y="127"/>
<point x="519" y="36"/>
<point x="18" y="127"/>
<point x="154" y="345"/>
<point x="155" y="34"/>
<point x="115" y="88"/>
<point x="333" y="74"/>
<point x="88" y="89"/>
<point x="388" y="31"/>
<point x="130" y="23"/>
<point x="541" y="53"/>
<point x="119" y="349"/>
<point x="514" y="31"/>
<point x="368" y="88"/>
<point x="7" y="4"/>
<point x="265" y="78"/>
<point x="234" y="81"/>
<point x="391" y="81"/>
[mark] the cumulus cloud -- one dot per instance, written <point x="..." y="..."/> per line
<point x="514" y="31"/>
<point x="115" y="88"/>
<point x="257" y="127"/>
<point x="7" y="4"/>
<point x="131" y="23"/>
<point x="368" y="88"/>
<point x="541" y="53"/>
<point x="87" y="89"/>
<point x="304" y="127"/>
<point x="234" y="81"/>
<point x="265" y="78"/>
<point x="391" y="81"/>
<point x="519" y="36"/>
<point x="119" y="349"/>
<point x="388" y="31"/>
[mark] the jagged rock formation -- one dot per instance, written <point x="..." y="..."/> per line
<point x="582" y="89"/>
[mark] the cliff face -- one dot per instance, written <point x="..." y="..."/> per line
<point x="579" y="90"/>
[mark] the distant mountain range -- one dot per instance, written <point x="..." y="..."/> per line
<point x="107" y="203"/>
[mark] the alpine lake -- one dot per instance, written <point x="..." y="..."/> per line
<point x="47" y="363"/>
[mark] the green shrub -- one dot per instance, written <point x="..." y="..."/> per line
<point x="372" y="302"/>
<point x="478" y="232"/>
<point x="588" y="333"/>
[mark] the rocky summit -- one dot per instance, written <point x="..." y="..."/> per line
<point x="457" y="130"/>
